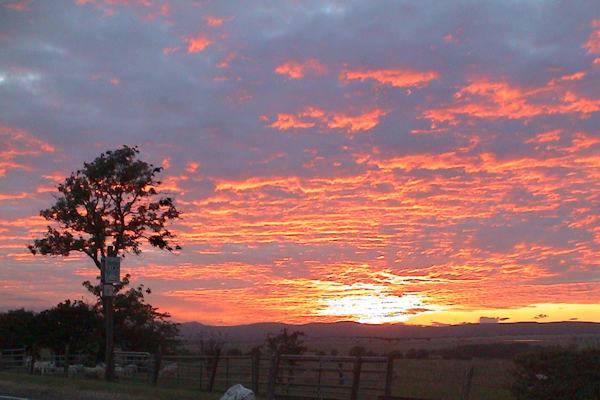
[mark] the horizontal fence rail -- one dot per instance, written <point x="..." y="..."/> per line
<point x="284" y="376"/>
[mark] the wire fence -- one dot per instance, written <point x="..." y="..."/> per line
<point x="288" y="376"/>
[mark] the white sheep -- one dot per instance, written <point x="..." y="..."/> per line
<point x="168" y="371"/>
<point x="94" y="372"/>
<point x="44" y="367"/>
<point x="75" y="370"/>
<point x="130" y="370"/>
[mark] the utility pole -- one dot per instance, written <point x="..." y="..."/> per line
<point x="111" y="270"/>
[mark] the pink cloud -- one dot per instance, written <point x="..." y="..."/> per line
<point x="198" y="43"/>
<point x="298" y="70"/>
<point x="392" y="77"/>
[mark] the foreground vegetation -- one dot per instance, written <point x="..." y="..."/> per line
<point x="55" y="388"/>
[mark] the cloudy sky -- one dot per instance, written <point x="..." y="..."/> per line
<point x="379" y="161"/>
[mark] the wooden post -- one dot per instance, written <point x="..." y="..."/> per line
<point x="356" y="378"/>
<point x="66" y="365"/>
<point x="202" y="366"/>
<point x="109" y="317"/>
<point x="156" y="367"/>
<point x="33" y="352"/>
<point x="466" y="391"/>
<point x="255" y="371"/>
<point x="213" y="372"/>
<point x="273" y="376"/>
<point x="227" y="372"/>
<point x="389" y="376"/>
<point x="319" y="378"/>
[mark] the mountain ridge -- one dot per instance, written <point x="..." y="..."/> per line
<point x="349" y="329"/>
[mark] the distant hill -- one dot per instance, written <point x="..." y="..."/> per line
<point x="315" y="331"/>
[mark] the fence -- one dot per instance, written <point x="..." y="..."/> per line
<point x="13" y="359"/>
<point x="294" y="376"/>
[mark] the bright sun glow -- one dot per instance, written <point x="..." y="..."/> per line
<point x="376" y="309"/>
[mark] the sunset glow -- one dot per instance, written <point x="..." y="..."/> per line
<point x="362" y="160"/>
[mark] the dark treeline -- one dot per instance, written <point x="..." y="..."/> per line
<point x="505" y="351"/>
<point x="138" y="325"/>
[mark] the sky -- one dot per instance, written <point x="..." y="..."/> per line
<point x="424" y="162"/>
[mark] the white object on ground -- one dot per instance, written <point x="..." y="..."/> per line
<point x="75" y="370"/>
<point x="168" y="371"/>
<point x="43" y="367"/>
<point x="238" y="392"/>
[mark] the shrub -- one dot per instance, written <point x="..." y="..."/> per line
<point x="557" y="374"/>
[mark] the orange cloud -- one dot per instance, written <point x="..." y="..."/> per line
<point x="392" y="77"/>
<point x="198" y="43"/>
<point x="17" y="5"/>
<point x="356" y="123"/>
<point x="332" y="120"/>
<point x="484" y="98"/>
<point x="545" y="137"/>
<point x="23" y="195"/>
<point x="574" y="77"/>
<point x="289" y="121"/>
<point x="297" y="70"/>
<point x="192" y="167"/>
<point x="224" y="63"/>
<point x="450" y="38"/>
<point x="592" y="45"/>
<point x="170" y="50"/>
<point x="214" y="21"/>
<point x="163" y="11"/>
<point x="16" y="142"/>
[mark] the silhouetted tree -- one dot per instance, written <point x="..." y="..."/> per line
<point x="111" y="201"/>
<point x="18" y="329"/>
<point x="286" y="343"/>
<point x="72" y="323"/>
<point x="357" y="351"/>
<point x="234" y="352"/>
<point x="138" y="325"/>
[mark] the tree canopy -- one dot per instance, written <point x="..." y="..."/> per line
<point x="139" y="326"/>
<point x="286" y="343"/>
<point x="17" y="329"/>
<point x="112" y="201"/>
<point x="70" y="322"/>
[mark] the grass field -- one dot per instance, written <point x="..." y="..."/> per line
<point x="60" y="388"/>
<point x="443" y="379"/>
<point x="429" y="379"/>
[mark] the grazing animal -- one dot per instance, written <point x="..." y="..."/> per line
<point x="130" y="370"/>
<point x="27" y="363"/>
<point x="168" y="371"/>
<point x="75" y="370"/>
<point x="94" y="372"/>
<point x="44" y="367"/>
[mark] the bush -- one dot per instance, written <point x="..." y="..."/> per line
<point x="557" y="374"/>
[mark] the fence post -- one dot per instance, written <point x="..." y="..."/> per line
<point x="389" y="376"/>
<point x="156" y="367"/>
<point x="356" y="378"/>
<point x="319" y="377"/>
<point x="226" y="372"/>
<point x="466" y="391"/>
<point x="255" y="371"/>
<point x="273" y="376"/>
<point x="213" y="372"/>
<point x="66" y="366"/>
<point x="31" y="369"/>
<point x="203" y="365"/>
